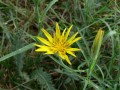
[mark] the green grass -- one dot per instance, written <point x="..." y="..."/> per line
<point x="24" y="69"/>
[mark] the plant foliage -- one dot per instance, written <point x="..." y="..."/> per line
<point x="43" y="78"/>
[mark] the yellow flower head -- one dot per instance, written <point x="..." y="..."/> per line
<point x="58" y="43"/>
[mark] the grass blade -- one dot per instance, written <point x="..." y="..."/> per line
<point x="17" y="52"/>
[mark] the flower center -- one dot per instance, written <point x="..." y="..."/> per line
<point x="59" y="45"/>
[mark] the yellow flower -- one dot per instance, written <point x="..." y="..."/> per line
<point x="58" y="43"/>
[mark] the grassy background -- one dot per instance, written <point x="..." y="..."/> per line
<point x="21" y="68"/>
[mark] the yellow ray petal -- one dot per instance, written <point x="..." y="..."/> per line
<point x="68" y="31"/>
<point x="75" y="40"/>
<point x="45" y="49"/>
<point x="61" y="55"/>
<point x="73" y="49"/>
<point x="67" y="59"/>
<point x="37" y="45"/>
<point x="64" y="57"/>
<point x="64" y="32"/>
<point x="73" y="37"/>
<point x="71" y="53"/>
<point x="42" y="49"/>
<point x="44" y="41"/>
<point x="57" y="30"/>
<point x="49" y="37"/>
<point x="50" y="52"/>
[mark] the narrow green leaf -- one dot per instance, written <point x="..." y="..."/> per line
<point x="17" y="52"/>
<point x="49" y="6"/>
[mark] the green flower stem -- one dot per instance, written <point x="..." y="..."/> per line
<point x="60" y="62"/>
<point x="76" y="72"/>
